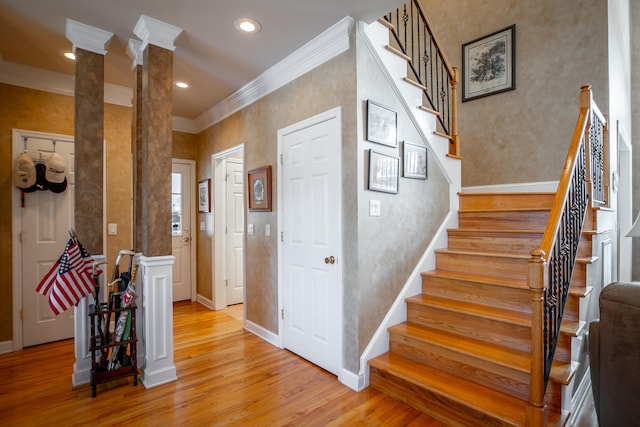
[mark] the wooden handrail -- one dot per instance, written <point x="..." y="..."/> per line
<point x="551" y="265"/>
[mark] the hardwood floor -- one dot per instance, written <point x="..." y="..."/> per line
<point x="226" y="376"/>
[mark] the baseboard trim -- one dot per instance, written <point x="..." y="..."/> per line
<point x="353" y="381"/>
<point x="580" y="397"/>
<point x="263" y="333"/>
<point x="6" y="347"/>
<point x="205" y="301"/>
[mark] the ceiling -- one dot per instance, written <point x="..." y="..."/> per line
<point x="211" y="55"/>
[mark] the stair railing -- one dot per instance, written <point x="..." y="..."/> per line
<point x="429" y="66"/>
<point x="551" y="266"/>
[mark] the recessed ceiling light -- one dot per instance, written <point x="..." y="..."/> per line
<point x="70" y="55"/>
<point x="183" y="85"/>
<point x="247" y="25"/>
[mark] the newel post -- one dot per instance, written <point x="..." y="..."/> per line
<point x="454" y="148"/>
<point x="536" y="409"/>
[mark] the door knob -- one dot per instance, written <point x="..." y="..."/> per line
<point x="186" y="239"/>
<point x="330" y="260"/>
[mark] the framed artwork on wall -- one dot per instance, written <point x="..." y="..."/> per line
<point x="414" y="160"/>
<point x="381" y="124"/>
<point x="489" y="64"/>
<point x="384" y="172"/>
<point x="259" y="189"/>
<point x="204" y="196"/>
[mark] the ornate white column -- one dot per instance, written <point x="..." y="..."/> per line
<point x="157" y="310"/>
<point x="90" y="46"/>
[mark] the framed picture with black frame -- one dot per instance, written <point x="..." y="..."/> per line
<point x="489" y="64"/>
<point x="204" y="196"/>
<point x="382" y="124"/>
<point x="384" y="172"/>
<point x="414" y="160"/>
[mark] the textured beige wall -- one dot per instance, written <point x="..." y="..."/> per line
<point x="328" y="86"/>
<point x="40" y="111"/>
<point x="185" y="145"/>
<point x="523" y="135"/>
<point x="389" y="246"/>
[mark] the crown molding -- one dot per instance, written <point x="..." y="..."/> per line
<point x="63" y="84"/>
<point x="87" y="37"/>
<point x="155" y="32"/>
<point x="184" y="124"/>
<point x="324" y="47"/>
<point x="134" y="51"/>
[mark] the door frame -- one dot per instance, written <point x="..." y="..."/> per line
<point x="192" y="208"/>
<point x="335" y="113"/>
<point x="17" y="136"/>
<point x="219" y="243"/>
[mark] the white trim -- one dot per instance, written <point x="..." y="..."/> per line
<point x="36" y="78"/>
<point x="183" y="124"/>
<point x="205" y="301"/>
<point x="16" y="261"/>
<point x="524" y="187"/>
<point x="218" y="165"/>
<point x="155" y="32"/>
<point x="324" y="47"/>
<point x="353" y="381"/>
<point x="335" y="113"/>
<point x="580" y="398"/>
<point x="6" y="347"/>
<point x="263" y="333"/>
<point x="86" y="37"/>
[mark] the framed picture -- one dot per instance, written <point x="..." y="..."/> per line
<point x="204" y="196"/>
<point x="489" y="64"/>
<point x="259" y="186"/>
<point x="414" y="158"/>
<point x="381" y="124"/>
<point x="384" y="172"/>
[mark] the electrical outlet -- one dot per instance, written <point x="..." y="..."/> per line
<point x="267" y="230"/>
<point x="250" y="229"/>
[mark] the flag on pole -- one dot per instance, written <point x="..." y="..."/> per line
<point x="69" y="280"/>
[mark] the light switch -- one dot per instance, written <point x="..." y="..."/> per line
<point x="374" y="207"/>
<point x="113" y="229"/>
<point x="203" y="226"/>
<point x="267" y="230"/>
<point x="250" y="229"/>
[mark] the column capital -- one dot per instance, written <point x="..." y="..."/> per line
<point x="87" y="37"/>
<point x="157" y="33"/>
<point x="134" y="51"/>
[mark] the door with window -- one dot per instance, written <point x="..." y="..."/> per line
<point x="182" y="199"/>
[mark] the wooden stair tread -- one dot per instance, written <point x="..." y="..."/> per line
<point x="511" y="209"/>
<point x="483" y="253"/>
<point x="570" y="327"/>
<point x="504" y="356"/>
<point x="493" y="230"/>
<point x="487" y="312"/>
<point x="465" y="392"/>
<point x="561" y="372"/>
<point x="475" y="278"/>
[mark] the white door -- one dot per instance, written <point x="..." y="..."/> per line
<point x="311" y="189"/>
<point x="235" y="231"/>
<point x="45" y="222"/>
<point x="182" y="189"/>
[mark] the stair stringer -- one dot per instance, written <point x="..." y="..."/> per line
<point x="376" y="38"/>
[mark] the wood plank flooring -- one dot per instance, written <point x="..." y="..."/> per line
<point x="226" y="376"/>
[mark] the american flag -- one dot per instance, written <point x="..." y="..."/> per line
<point x="69" y="280"/>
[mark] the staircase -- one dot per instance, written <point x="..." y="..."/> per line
<point x="463" y="354"/>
